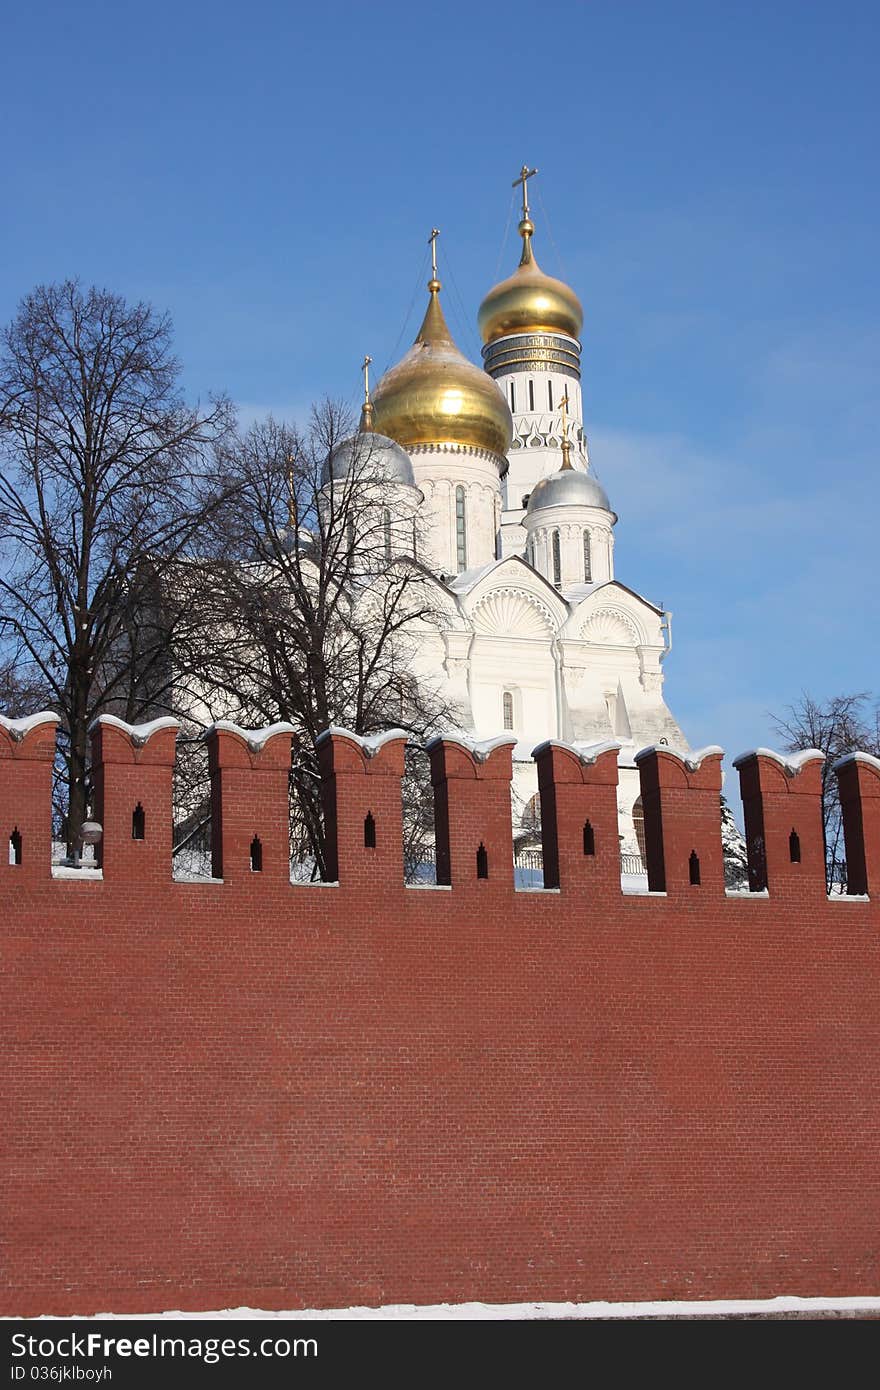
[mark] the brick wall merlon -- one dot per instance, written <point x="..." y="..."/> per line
<point x="791" y="772"/>
<point x="663" y="766"/>
<point x="782" y="809"/>
<point x="589" y="763"/>
<point x="115" y="742"/>
<point x="454" y="756"/>
<point x="31" y="739"/>
<point x="265" y="749"/>
<point x="341" y="751"/>
<point x="858" y="777"/>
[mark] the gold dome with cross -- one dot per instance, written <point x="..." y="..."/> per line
<point x="529" y="301"/>
<point x="434" y="395"/>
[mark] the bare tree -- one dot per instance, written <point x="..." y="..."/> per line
<point x="835" y="726"/>
<point x="314" y="597"/>
<point x="106" y="476"/>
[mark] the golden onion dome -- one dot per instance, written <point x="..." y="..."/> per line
<point x="436" y="396"/>
<point x="529" y="301"/>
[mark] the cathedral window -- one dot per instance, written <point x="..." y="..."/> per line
<point x="550" y="393"/>
<point x="588" y="565"/>
<point x="460" y="530"/>
<point x="507" y="709"/>
<point x="531" y="395"/>
<point x="512" y="396"/>
<point x="557" y="560"/>
<point x="386" y="527"/>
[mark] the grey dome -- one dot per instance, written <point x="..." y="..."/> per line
<point x="375" y="454"/>
<point x="568" y="488"/>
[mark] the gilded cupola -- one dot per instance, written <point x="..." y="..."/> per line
<point x="435" y="396"/>
<point x="529" y="301"/>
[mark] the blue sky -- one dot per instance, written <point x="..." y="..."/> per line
<point x="269" y="173"/>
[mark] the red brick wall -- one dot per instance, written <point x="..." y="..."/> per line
<point x="250" y="1093"/>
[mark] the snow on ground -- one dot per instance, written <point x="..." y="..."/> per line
<point x="491" y="1312"/>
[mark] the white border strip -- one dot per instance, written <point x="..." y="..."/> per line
<point x="485" y="1312"/>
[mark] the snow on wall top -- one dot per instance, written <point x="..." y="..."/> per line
<point x="369" y="744"/>
<point x="586" y="753"/>
<point x="692" y="761"/>
<point x="254" y="738"/>
<point x="479" y="749"/>
<point x="867" y="758"/>
<point x="138" y="733"/>
<point x="791" y="763"/>
<point x="17" y="729"/>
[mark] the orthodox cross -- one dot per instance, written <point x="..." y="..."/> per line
<point x="563" y="411"/>
<point x="367" y="408"/>
<point x="435" y="232"/>
<point x="525" y="174"/>
<point x="566" y="446"/>
<point x="291" y="507"/>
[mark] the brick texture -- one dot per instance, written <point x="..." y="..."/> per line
<point x="248" y="1092"/>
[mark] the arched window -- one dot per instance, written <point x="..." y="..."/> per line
<point x="557" y="560"/>
<point x="588" y="564"/>
<point x="460" y="530"/>
<point x="386" y="527"/>
<point x="507" y="708"/>
<point x="550" y="392"/>
<point x="512" y="396"/>
<point x="531" y="395"/>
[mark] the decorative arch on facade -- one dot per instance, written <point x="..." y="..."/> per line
<point x="512" y="612"/>
<point x="610" y="626"/>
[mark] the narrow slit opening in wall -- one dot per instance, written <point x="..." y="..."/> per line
<point x="794" y="847"/>
<point x="369" y="831"/>
<point x="482" y="862"/>
<point x="419" y="844"/>
<point x="15" y="847"/>
<point x="138" y="823"/>
<point x="256" y="855"/>
<point x="694" y="869"/>
<point x="191" y="826"/>
<point x="589" y="839"/>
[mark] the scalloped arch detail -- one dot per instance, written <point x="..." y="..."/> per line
<point x="513" y="612"/>
<point x="610" y="627"/>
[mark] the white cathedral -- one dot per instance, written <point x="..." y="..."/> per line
<point x="537" y="637"/>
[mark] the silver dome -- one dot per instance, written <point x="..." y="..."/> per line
<point x="568" y="488"/>
<point x="375" y="455"/>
